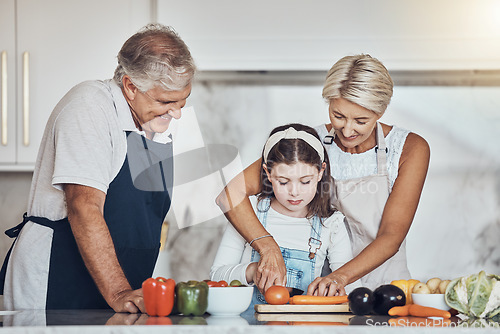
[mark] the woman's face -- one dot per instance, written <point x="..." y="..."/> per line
<point x="294" y="187"/>
<point x="353" y="124"/>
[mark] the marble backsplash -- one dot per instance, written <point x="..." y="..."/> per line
<point x="456" y="230"/>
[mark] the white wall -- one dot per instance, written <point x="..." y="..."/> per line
<point x="309" y="35"/>
<point x="456" y="230"/>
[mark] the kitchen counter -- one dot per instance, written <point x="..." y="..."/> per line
<point x="106" y="321"/>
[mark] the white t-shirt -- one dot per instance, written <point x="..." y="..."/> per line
<point x="84" y="143"/>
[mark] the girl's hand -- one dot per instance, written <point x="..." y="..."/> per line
<point x="250" y="272"/>
<point x="331" y="285"/>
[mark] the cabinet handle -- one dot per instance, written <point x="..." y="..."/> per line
<point x="26" y="98"/>
<point x="4" y="98"/>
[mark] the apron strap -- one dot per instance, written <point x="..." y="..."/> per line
<point x="14" y="231"/>
<point x="11" y="233"/>
<point x="262" y="209"/>
<point x="381" y="148"/>
<point x="329" y="137"/>
<point x="381" y="151"/>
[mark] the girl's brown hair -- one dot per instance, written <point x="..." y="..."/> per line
<point x="290" y="151"/>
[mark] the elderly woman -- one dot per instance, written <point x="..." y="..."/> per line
<point x="379" y="172"/>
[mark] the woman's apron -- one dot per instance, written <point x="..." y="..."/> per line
<point x="135" y="207"/>
<point x="362" y="201"/>
<point x="299" y="266"/>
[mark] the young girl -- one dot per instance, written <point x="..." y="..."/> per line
<point x="294" y="207"/>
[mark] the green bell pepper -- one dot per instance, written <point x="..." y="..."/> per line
<point x="192" y="297"/>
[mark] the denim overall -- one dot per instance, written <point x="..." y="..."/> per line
<point x="300" y="268"/>
<point x="135" y="207"/>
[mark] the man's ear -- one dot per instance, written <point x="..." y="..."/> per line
<point x="267" y="172"/>
<point x="130" y="90"/>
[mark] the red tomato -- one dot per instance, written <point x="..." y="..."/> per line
<point x="212" y="283"/>
<point x="222" y="283"/>
<point x="277" y="295"/>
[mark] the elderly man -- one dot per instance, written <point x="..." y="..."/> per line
<point x="100" y="189"/>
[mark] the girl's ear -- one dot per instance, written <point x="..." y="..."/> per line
<point x="321" y="171"/>
<point x="267" y="172"/>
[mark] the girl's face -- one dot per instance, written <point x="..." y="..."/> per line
<point x="294" y="187"/>
<point x="353" y="124"/>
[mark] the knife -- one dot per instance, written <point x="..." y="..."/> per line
<point x="296" y="292"/>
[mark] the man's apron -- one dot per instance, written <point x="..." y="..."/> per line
<point x="300" y="267"/>
<point x="135" y="206"/>
<point x="362" y="201"/>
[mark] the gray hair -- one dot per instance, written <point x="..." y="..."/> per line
<point x="155" y="57"/>
<point x="362" y="80"/>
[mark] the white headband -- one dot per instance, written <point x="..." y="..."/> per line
<point x="291" y="133"/>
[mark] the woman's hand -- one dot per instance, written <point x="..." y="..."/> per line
<point x="271" y="269"/>
<point x="331" y="285"/>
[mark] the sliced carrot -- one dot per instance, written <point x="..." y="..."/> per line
<point x="318" y="300"/>
<point x="424" y="311"/>
<point x="400" y="311"/>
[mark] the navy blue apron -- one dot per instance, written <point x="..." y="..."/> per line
<point x="136" y="204"/>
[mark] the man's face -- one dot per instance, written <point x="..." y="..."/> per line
<point x="156" y="107"/>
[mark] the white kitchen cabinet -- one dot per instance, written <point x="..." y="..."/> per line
<point x="48" y="47"/>
<point x="7" y="86"/>
<point x="282" y="35"/>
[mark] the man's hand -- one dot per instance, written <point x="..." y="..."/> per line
<point x="130" y="301"/>
<point x="85" y="214"/>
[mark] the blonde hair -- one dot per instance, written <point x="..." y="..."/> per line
<point x="360" y="79"/>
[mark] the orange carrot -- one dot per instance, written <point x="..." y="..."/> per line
<point x="400" y="311"/>
<point x="424" y="311"/>
<point x="318" y="300"/>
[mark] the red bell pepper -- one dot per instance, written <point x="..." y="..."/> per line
<point x="159" y="296"/>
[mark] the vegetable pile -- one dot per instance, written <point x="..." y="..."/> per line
<point x="363" y="301"/>
<point x="433" y="286"/>
<point x="476" y="295"/>
<point x="407" y="287"/>
<point x="391" y="299"/>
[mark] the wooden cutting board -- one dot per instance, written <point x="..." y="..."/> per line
<point x="288" y="308"/>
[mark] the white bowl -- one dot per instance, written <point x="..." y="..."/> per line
<point x="435" y="300"/>
<point x="229" y="301"/>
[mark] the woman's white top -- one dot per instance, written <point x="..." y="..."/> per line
<point x="346" y="165"/>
